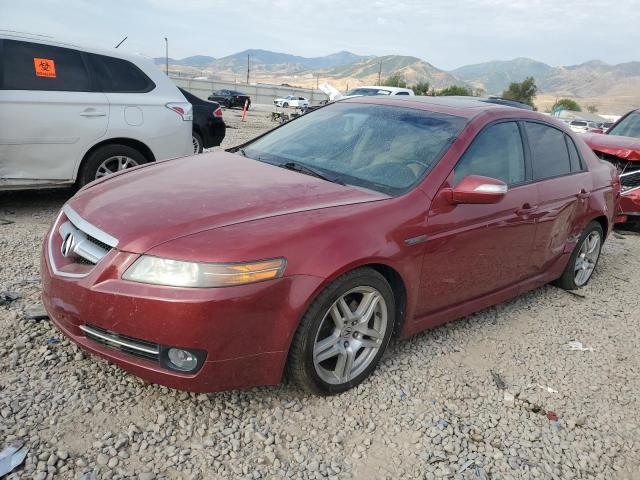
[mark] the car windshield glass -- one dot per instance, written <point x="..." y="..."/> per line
<point x="379" y="147"/>
<point x="368" y="91"/>
<point x="628" y="127"/>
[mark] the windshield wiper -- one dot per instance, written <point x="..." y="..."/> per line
<point x="298" y="167"/>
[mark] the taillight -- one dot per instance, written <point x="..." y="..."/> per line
<point x="184" y="109"/>
<point x="218" y="112"/>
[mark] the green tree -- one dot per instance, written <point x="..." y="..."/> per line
<point x="455" y="90"/>
<point x="422" y="88"/>
<point x="524" y="91"/>
<point x="566" y="104"/>
<point x="592" y="108"/>
<point x="395" y="80"/>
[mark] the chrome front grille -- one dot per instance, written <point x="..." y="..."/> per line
<point x="75" y="245"/>
<point x="123" y="343"/>
<point x="630" y="180"/>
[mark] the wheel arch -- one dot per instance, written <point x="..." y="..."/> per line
<point x="604" y="223"/>
<point x="129" y="142"/>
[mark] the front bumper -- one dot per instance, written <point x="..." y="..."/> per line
<point x="245" y="331"/>
<point x="630" y="203"/>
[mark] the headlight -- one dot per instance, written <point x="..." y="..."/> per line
<point x="176" y="273"/>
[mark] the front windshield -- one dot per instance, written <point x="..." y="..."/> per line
<point x="367" y="92"/>
<point x="628" y="127"/>
<point x="379" y="147"/>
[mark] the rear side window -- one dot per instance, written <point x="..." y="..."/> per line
<point x="402" y="93"/>
<point x="115" y="75"/>
<point x="574" y="157"/>
<point x="550" y="157"/>
<point x="497" y="153"/>
<point x="34" y="66"/>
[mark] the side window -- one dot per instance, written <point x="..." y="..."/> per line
<point x="550" y="157"/>
<point x="574" y="157"/>
<point x="497" y="153"/>
<point x="402" y="93"/>
<point x="115" y="75"/>
<point x="34" y="66"/>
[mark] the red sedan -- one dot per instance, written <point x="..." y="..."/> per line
<point x="306" y="249"/>
<point x="621" y="146"/>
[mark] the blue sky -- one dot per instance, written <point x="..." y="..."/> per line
<point x="445" y="33"/>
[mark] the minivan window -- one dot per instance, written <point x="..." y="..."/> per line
<point x="115" y="75"/>
<point x="550" y="157"/>
<point x="35" y="66"/>
<point x="496" y="152"/>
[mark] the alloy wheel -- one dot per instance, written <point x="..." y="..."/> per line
<point x="196" y="145"/>
<point x="587" y="258"/>
<point x="115" y="164"/>
<point x="350" y="335"/>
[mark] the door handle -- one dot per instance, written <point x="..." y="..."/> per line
<point x="93" y="113"/>
<point x="583" y="194"/>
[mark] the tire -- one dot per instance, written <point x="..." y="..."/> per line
<point x="196" y="139"/>
<point x="103" y="161"/>
<point x="352" y="351"/>
<point x="583" y="260"/>
<point x="285" y="105"/>
<point x="228" y="104"/>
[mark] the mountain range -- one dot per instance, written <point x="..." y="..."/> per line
<point x="593" y="81"/>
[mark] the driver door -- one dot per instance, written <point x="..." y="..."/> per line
<point x="477" y="249"/>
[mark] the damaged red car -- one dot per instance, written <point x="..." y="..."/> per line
<point x="621" y="146"/>
<point x="305" y="250"/>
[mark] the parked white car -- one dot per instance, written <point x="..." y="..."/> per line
<point x="291" y="101"/>
<point x="69" y="115"/>
<point x="582" y="126"/>
<point x="377" y="90"/>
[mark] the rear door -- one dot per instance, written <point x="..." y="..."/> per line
<point x="474" y="250"/>
<point x="564" y="187"/>
<point x="50" y="112"/>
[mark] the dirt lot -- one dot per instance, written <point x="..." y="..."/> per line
<point x="432" y="410"/>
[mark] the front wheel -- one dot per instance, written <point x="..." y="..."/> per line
<point x="584" y="259"/>
<point x="344" y="333"/>
<point x="285" y="105"/>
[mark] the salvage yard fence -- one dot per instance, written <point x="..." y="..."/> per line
<point x="260" y="93"/>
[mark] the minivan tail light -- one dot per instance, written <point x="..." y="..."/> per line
<point x="218" y="112"/>
<point x="184" y="109"/>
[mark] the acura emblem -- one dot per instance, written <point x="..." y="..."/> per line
<point x="67" y="245"/>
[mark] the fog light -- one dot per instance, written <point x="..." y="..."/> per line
<point x="182" y="359"/>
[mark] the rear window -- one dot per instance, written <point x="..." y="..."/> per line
<point x="550" y="157"/>
<point x="34" y="66"/>
<point x="115" y="75"/>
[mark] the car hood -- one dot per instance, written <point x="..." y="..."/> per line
<point x="627" y="148"/>
<point x="154" y="204"/>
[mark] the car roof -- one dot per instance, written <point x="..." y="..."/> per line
<point x="47" y="40"/>
<point x="467" y="107"/>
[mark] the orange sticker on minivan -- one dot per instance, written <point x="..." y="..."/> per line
<point x="45" y="67"/>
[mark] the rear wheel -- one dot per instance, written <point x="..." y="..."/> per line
<point x="109" y="159"/>
<point x="196" y="139"/>
<point x="584" y="259"/>
<point x="344" y="333"/>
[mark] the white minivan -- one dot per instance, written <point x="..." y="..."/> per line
<point x="69" y="115"/>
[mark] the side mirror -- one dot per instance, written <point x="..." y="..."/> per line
<point x="477" y="189"/>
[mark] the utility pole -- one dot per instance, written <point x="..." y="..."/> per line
<point x="317" y="81"/>
<point x="166" y="55"/>
<point x="247" y="69"/>
<point x="380" y="72"/>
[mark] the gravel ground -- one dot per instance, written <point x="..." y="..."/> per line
<point x="432" y="410"/>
